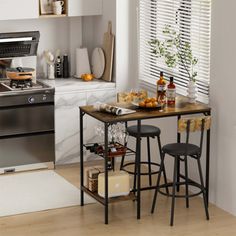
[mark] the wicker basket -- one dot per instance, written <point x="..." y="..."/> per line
<point x="91" y="177"/>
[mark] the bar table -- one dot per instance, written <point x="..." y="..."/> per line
<point x="182" y="107"/>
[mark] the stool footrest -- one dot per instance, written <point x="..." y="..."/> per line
<point x="141" y="163"/>
<point x="179" y="184"/>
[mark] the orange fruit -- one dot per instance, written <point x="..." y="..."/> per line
<point x="149" y="104"/>
<point x="87" y="77"/>
<point x="153" y="99"/>
<point x="142" y="104"/>
<point x="154" y="104"/>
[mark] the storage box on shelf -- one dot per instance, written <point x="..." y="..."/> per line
<point x="91" y="177"/>
<point x="118" y="184"/>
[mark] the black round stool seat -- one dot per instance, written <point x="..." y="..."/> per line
<point x="145" y="131"/>
<point x="181" y="149"/>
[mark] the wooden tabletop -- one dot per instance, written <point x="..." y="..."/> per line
<point x="182" y="107"/>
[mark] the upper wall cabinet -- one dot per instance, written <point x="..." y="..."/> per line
<point x="84" y="7"/>
<point x="19" y="9"/>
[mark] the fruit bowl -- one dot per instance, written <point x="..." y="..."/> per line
<point x="147" y="103"/>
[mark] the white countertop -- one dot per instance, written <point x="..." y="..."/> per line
<point x="72" y="84"/>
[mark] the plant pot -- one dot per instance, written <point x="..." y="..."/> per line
<point x="192" y="91"/>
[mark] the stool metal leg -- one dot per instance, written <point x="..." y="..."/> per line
<point x="135" y="168"/>
<point x="149" y="161"/>
<point x="125" y="144"/>
<point x="204" y="190"/>
<point x="123" y="158"/>
<point x="186" y="181"/>
<point x="161" y="156"/>
<point x="173" y="191"/>
<point x="122" y="162"/>
<point x="158" y="184"/>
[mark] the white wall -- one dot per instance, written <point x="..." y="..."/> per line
<point x="222" y="101"/>
<point x="94" y="28"/>
<point x="223" y="98"/>
<point x="56" y="33"/>
<point x="126" y="45"/>
<point x="122" y="13"/>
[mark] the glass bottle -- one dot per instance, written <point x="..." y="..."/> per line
<point x="171" y="92"/>
<point x="161" y="89"/>
<point x="58" y="67"/>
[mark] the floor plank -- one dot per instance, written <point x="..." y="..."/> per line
<point x="88" y="220"/>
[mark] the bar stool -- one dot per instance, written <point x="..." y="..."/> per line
<point x="146" y="131"/>
<point x="182" y="152"/>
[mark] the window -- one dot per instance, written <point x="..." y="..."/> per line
<point x="192" y="20"/>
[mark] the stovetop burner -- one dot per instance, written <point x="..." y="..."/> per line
<point x="21" y="84"/>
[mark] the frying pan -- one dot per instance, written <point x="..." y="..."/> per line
<point x="20" y="73"/>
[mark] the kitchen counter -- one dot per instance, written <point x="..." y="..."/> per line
<point x="72" y="84"/>
<point x="69" y="95"/>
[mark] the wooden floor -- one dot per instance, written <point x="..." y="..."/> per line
<point x="88" y="220"/>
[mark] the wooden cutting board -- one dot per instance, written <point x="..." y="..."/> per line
<point x="108" y="48"/>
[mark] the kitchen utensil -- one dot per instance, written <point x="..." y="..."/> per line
<point x="108" y="48"/>
<point x="82" y="62"/>
<point x="51" y="71"/>
<point x="50" y="60"/>
<point x="98" y="62"/>
<point x="48" y="57"/>
<point x="20" y="73"/>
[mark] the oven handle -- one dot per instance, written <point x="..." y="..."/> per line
<point x="27" y="105"/>
<point x="28" y="134"/>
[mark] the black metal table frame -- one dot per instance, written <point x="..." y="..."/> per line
<point x="138" y="159"/>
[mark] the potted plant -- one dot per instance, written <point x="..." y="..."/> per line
<point x="175" y="52"/>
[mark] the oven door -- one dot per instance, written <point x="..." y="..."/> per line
<point x="27" y="149"/>
<point x="26" y="119"/>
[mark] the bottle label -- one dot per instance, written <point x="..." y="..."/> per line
<point x="171" y="94"/>
<point x="161" y="88"/>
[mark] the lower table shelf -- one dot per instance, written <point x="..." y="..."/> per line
<point x="95" y="195"/>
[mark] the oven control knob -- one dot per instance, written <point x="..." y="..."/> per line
<point x="31" y="100"/>
<point x="44" y="97"/>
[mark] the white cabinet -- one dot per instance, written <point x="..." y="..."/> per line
<point x="19" y="9"/>
<point x="67" y="126"/>
<point x="84" y="7"/>
<point x="67" y="130"/>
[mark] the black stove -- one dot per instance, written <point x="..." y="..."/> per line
<point x="26" y="109"/>
<point x="15" y="93"/>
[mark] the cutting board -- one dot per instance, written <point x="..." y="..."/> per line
<point x="108" y="48"/>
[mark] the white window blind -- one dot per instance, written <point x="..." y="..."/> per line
<point x="192" y="20"/>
